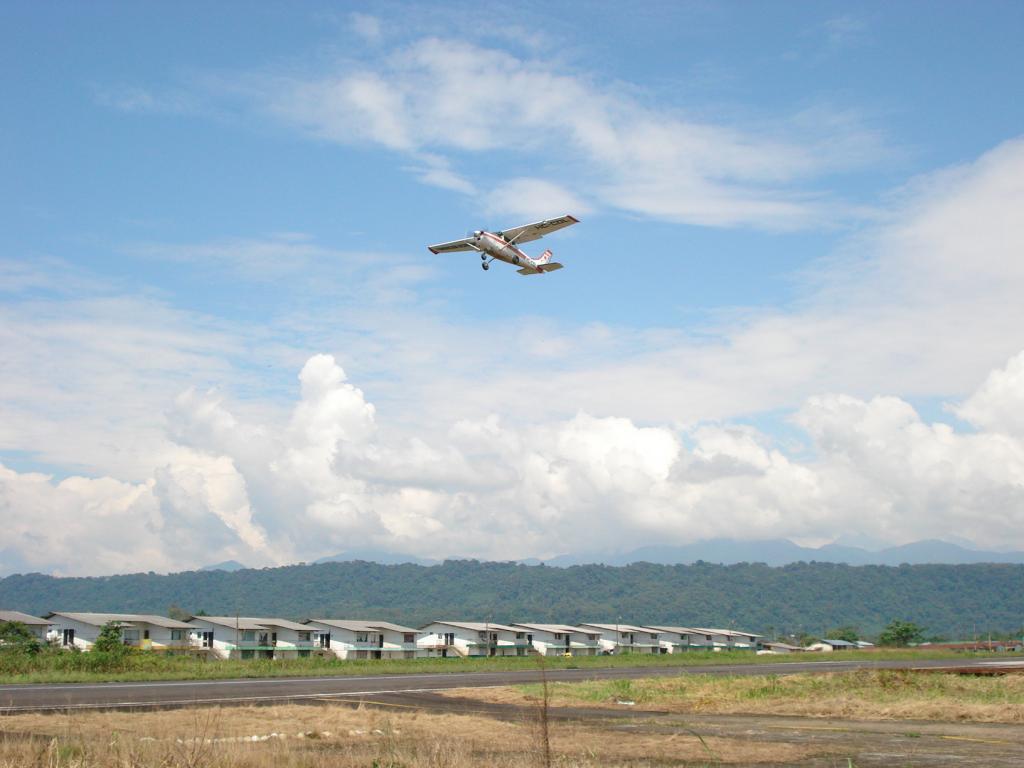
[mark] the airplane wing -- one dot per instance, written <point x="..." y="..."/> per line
<point x="455" y="245"/>
<point x="537" y="230"/>
<point x="547" y="268"/>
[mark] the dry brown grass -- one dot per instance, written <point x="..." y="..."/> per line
<point x="347" y="737"/>
<point x="865" y="695"/>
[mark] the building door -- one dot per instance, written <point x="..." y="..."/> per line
<point x="207" y="639"/>
<point x="68" y="637"/>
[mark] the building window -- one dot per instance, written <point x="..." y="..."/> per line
<point x="303" y="637"/>
<point x="409" y="654"/>
<point x="408" y="638"/>
<point x="361" y="637"/>
<point x="176" y="634"/>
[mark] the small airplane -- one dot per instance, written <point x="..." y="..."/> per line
<point x="504" y="245"/>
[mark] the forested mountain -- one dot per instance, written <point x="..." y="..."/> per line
<point x="948" y="600"/>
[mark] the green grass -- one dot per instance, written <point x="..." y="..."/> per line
<point x="70" y="667"/>
<point x="879" y="687"/>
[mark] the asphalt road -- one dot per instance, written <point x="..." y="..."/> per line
<point x="186" y="693"/>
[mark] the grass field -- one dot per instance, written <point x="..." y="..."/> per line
<point x="331" y="734"/>
<point x="343" y="737"/>
<point x="862" y="694"/>
<point x="69" y="667"/>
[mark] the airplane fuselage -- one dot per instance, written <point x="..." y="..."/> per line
<point x="497" y="247"/>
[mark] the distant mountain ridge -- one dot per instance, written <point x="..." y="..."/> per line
<point x="811" y="597"/>
<point x="227" y="565"/>
<point x="375" y="556"/>
<point x="777" y="552"/>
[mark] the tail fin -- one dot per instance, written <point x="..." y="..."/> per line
<point x="545" y="257"/>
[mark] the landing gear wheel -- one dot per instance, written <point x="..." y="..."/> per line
<point x="483" y="257"/>
<point x="486" y="266"/>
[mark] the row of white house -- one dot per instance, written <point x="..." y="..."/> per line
<point x="262" y="637"/>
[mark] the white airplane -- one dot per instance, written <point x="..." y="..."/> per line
<point x="504" y="245"/>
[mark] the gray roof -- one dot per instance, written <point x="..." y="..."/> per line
<point x="355" y="625"/>
<point x="250" y="622"/>
<point x="124" y="619"/>
<point x="679" y="630"/>
<point x="838" y="642"/>
<point x="726" y="632"/>
<point x="618" y="627"/>
<point x="478" y="626"/>
<point x="230" y="622"/>
<point x="561" y="628"/>
<point x="775" y="644"/>
<point x="23" y="618"/>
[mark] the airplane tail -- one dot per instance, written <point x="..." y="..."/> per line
<point x="545" y="257"/>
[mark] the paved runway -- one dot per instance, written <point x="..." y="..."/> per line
<point x="186" y="693"/>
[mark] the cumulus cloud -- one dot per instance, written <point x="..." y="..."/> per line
<point x="331" y="480"/>
<point x="998" y="405"/>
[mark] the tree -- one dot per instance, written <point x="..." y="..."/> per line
<point x="849" y="634"/>
<point x="176" y="612"/>
<point x="15" y="636"/>
<point x="109" y="639"/>
<point x="901" y="633"/>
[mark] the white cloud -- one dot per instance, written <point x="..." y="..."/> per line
<point x="843" y="30"/>
<point x="436" y="171"/>
<point x="130" y="98"/>
<point x="533" y="199"/>
<point x="998" y="405"/>
<point x="366" y="26"/>
<point x="326" y="482"/>
<point x="445" y="98"/>
<point x="618" y="438"/>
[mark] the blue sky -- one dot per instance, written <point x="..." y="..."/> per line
<point x="794" y="281"/>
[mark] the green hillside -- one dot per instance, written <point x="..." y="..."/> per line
<point x="948" y="600"/>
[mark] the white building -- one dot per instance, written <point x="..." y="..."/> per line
<point x="731" y="639"/>
<point x="832" y="645"/>
<point x="37" y="626"/>
<point x="773" y="646"/>
<point x="149" y="632"/>
<point x="681" y="639"/>
<point x="366" y="639"/>
<point x="561" y="639"/>
<point x="472" y="638"/>
<point x="625" y="638"/>
<point x="247" y="637"/>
